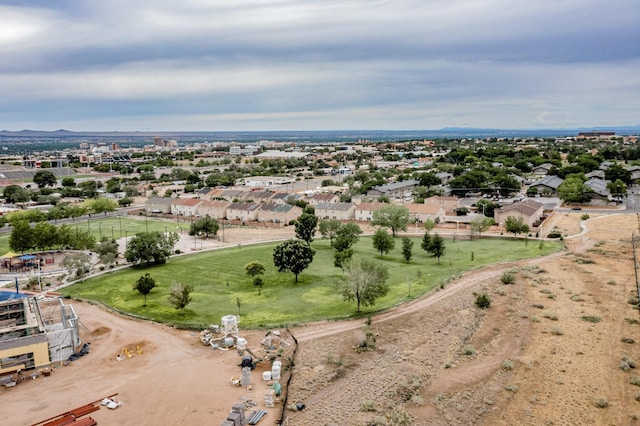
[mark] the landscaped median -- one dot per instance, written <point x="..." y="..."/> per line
<point x="222" y="287"/>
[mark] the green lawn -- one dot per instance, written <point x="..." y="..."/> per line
<point x="219" y="282"/>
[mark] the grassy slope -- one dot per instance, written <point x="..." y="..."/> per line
<point x="219" y="282"/>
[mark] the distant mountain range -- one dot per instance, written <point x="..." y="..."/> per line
<point x="323" y="135"/>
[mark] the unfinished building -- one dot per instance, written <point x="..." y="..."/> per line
<point x="35" y="333"/>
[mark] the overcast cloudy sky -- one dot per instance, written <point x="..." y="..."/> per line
<point x="161" y="65"/>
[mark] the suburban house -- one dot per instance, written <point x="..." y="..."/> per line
<point x="215" y="209"/>
<point x="278" y="213"/>
<point x="185" y="206"/>
<point x="364" y="211"/>
<point x="598" y="190"/>
<point x="284" y="197"/>
<point x="449" y="204"/>
<point x="395" y="190"/>
<point x="158" y="205"/>
<point x="232" y="195"/>
<point x="529" y="210"/>
<point x="316" y="199"/>
<point x="445" y="177"/>
<point x="542" y="169"/>
<point x="259" y="196"/>
<point x="422" y="212"/>
<point x="548" y="185"/>
<point x="245" y="212"/>
<point x="336" y="211"/>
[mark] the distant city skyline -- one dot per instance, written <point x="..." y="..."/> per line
<point x="265" y="65"/>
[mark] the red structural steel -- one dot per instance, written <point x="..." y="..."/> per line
<point x="72" y="417"/>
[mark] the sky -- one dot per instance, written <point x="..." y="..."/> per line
<point x="251" y="65"/>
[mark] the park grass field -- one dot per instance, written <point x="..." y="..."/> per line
<point x="221" y="286"/>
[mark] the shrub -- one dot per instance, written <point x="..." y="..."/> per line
<point x="368" y="406"/>
<point x="634" y="380"/>
<point x="483" y="301"/>
<point x="602" y="403"/>
<point x="633" y="300"/>
<point x="469" y="350"/>
<point x="507" y="364"/>
<point x="585" y="216"/>
<point x="554" y="235"/>
<point x="628" y="340"/>
<point x="508" y="278"/>
<point x="557" y="331"/>
<point x="591" y="318"/>
<point x="550" y="315"/>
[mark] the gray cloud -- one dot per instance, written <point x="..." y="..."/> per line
<point x="311" y="64"/>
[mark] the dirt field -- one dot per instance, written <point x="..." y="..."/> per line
<point x="530" y="359"/>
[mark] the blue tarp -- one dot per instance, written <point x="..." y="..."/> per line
<point x="9" y="295"/>
<point x="27" y="257"/>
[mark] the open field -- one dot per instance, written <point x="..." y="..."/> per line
<point x="219" y="282"/>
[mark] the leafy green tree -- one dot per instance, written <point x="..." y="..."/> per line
<point x="100" y="205"/>
<point x="205" y="225"/>
<point x="573" y="190"/>
<point x="89" y="188"/>
<point x="68" y="182"/>
<point x="144" y="285"/>
<point x="347" y="236"/>
<point x="479" y="225"/>
<point x="45" y="235"/>
<point x="426" y="241"/>
<point x="617" y="189"/>
<point x="407" y="249"/>
<point x="329" y="229"/>
<point x="125" y="202"/>
<point x="255" y="270"/>
<point x="294" y="256"/>
<point x="180" y="296"/>
<point x="382" y="241"/>
<point x="366" y="282"/>
<point x="617" y="172"/>
<point x="44" y="178"/>
<point x="437" y="247"/>
<point x="107" y="250"/>
<point x="16" y="194"/>
<point x="392" y="216"/>
<point x="22" y="237"/>
<point x="81" y="240"/>
<point x="306" y="227"/>
<point x="340" y="258"/>
<point x="487" y="207"/>
<point x="150" y="247"/>
<point x="429" y="224"/>
<point x="516" y="225"/>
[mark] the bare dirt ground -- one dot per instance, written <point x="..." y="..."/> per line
<point x="530" y="359"/>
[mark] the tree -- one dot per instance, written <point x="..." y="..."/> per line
<point x="329" y="229"/>
<point x="516" y="225"/>
<point x="80" y="263"/>
<point x="478" y="225"/>
<point x="437" y="247"/>
<point x="45" y="235"/>
<point x="426" y="241"/>
<point x="205" y="225"/>
<point x="44" y="178"/>
<point x="150" y="247"/>
<point x="347" y="236"/>
<point x="89" y="188"/>
<point x="144" y="285"/>
<point x="392" y="216"/>
<point x="617" y="172"/>
<point x="366" y="282"/>
<point x="255" y="270"/>
<point x="306" y="227"/>
<point x="16" y="194"/>
<point x="573" y="190"/>
<point x="382" y="241"/>
<point x="617" y="189"/>
<point x="101" y="205"/>
<point x="294" y="256"/>
<point x="483" y="301"/>
<point x="429" y="224"/>
<point x="407" y="248"/>
<point x="125" y="202"/>
<point x="22" y="237"/>
<point x="107" y="249"/>
<point x="180" y="295"/>
<point x="340" y="258"/>
<point x="68" y="182"/>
